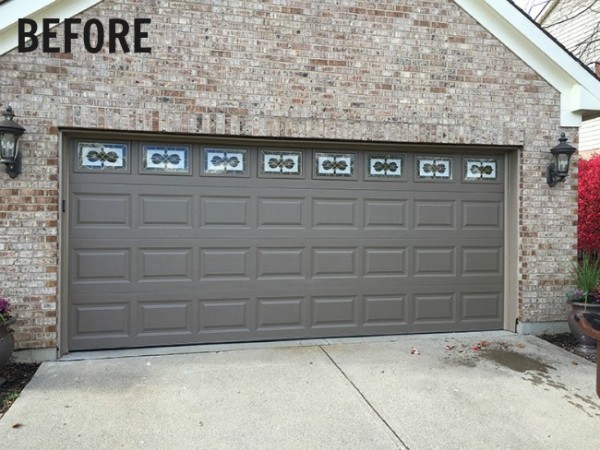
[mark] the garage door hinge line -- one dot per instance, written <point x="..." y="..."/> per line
<point x="365" y="399"/>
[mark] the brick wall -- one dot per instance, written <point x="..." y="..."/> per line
<point x="409" y="71"/>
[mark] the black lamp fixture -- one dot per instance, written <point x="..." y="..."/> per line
<point x="559" y="169"/>
<point x="10" y="132"/>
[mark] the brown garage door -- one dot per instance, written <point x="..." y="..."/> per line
<point x="178" y="243"/>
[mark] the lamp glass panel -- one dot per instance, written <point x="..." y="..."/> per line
<point x="562" y="161"/>
<point x="7" y="146"/>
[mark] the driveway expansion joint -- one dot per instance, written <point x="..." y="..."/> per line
<point x="370" y="405"/>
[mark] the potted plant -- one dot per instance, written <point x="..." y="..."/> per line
<point x="585" y="297"/>
<point x="7" y="342"/>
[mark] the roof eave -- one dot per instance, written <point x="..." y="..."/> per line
<point x="37" y="10"/>
<point x="579" y="89"/>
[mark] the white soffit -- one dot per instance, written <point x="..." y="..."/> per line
<point x="579" y="89"/>
<point x="13" y="10"/>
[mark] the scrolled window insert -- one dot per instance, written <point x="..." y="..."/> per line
<point x="281" y="163"/>
<point x="163" y="159"/>
<point x="385" y="167"/>
<point x="331" y="165"/>
<point x="434" y="168"/>
<point x="481" y="169"/>
<point x="102" y="156"/>
<point x="225" y="161"/>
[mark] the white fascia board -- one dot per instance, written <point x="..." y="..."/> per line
<point x="11" y="12"/>
<point x="579" y="89"/>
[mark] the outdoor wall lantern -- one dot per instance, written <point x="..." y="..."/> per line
<point x="559" y="169"/>
<point x="10" y="132"/>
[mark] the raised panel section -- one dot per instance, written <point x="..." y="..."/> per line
<point x="334" y="213"/>
<point x="224" y="211"/>
<point x="102" y="265"/>
<point x="435" y="214"/>
<point x="102" y="319"/>
<point x="434" y="308"/>
<point x="334" y="262"/>
<point x="224" y="315"/>
<point x="165" y="264"/>
<point x="482" y="215"/>
<point x="280" y="212"/>
<point x="482" y="261"/>
<point x="434" y="261"/>
<point x="171" y="317"/>
<point x="338" y="311"/>
<point x="385" y="262"/>
<point x="224" y="263"/>
<point x="280" y="263"/>
<point x="166" y="211"/>
<point x="481" y="306"/>
<point x="385" y="214"/>
<point x="106" y="210"/>
<point x="384" y="310"/>
<point x="280" y="312"/>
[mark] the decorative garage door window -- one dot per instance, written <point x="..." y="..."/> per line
<point x="165" y="159"/>
<point x="276" y="163"/>
<point x="385" y="167"/>
<point x="102" y="156"/>
<point x="334" y="165"/>
<point x="477" y="169"/>
<point x="225" y="161"/>
<point x="434" y="168"/>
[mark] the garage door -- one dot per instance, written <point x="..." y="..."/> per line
<point x="184" y="242"/>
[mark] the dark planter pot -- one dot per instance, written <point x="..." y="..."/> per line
<point x="7" y="342"/>
<point x="585" y="344"/>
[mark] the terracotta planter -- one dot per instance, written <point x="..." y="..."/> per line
<point x="7" y="342"/>
<point x="586" y="345"/>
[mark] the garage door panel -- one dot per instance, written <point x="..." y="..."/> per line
<point x="166" y="317"/>
<point x="281" y="263"/>
<point x="334" y="262"/>
<point x="482" y="215"/>
<point x="281" y="212"/>
<point x="225" y="212"/>
<point x="334" y="311"/>
<point x="334" y="213"/>
<point x="438" y="215"/>
<point x="385" y="214"/>
<point x="484" y="306"/>
<point x="101" y="265"/>
<point x="166" y="212"/>
<point x="225" y="263"/>
<point x="165" y="264"/>
<point x="160" y="260"/>
<point x="482" y="261"/>
<point x="101" y="210"/>
<point x="223" y="315"/>
<point x="384" y="310"/>
<point x="434" y="307"/>
<point x="282" y="313"/>
<point x="385" y="262"/>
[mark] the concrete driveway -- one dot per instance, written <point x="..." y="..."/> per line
<point x="445" y="391"/>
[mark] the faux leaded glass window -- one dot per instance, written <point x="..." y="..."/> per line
<point x="102" y="156"/>
<point x="330" y="165"/>
<point x="434" y="168"/>
<point x="225" y="161"/>
<point x="166" y="159"/>
<point x="481" y="169"/>
<point x="275" y="163"/>
<point x="385" y="167"/>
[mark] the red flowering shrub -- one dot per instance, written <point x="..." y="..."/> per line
<point x="588" y="228"/>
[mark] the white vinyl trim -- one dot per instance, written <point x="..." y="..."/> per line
<point x="12" y="11"/>
<point x="579" y="89"/>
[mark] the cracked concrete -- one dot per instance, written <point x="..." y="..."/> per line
<point x="456" y="391"/>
